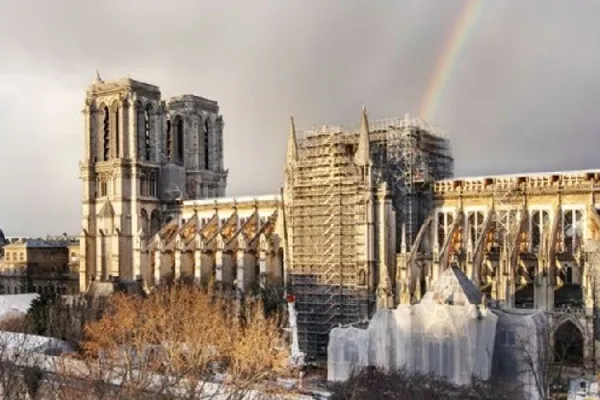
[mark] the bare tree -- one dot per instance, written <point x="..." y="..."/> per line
<point x="14" y="322"/>
<point x="370" y="384"/>
<point x="535" y="361"/>
<point x="20" y="375"/>
<point x="179" y="342"/>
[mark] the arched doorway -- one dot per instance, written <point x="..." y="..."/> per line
<point x="568" y="344"/>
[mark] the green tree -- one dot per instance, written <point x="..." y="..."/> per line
<point x="39" y="311"/>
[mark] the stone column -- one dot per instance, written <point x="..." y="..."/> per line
<point x="219" y="265"/>
<point x="132" y="180"/>
<point x="157" y="266"/>
<point x="139" y="239"/>
<point x="177" y="255"/>
<point x="114" y="261"/>
<point x="384" y="289"/>
<point x="100" y="256"/>
<point x="241" y="273"/>
<point x="84" y="274"/>
<point x="197" y="265"/>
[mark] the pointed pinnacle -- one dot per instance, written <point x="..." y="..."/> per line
<point x="292" y="145"/>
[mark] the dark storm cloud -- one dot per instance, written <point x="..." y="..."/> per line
<point x="522" y="94"/>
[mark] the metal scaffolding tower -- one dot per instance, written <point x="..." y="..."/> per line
<point x="323" y="214"/>
<point x="417" y="155"/>
<point x="326" y="215"/>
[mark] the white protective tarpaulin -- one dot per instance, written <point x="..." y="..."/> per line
<point x="452" y="341"/>
<point x="449" y="333"/>
<point x="521" y="350"/>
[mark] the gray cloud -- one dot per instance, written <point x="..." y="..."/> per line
<point x="522" y="95"/>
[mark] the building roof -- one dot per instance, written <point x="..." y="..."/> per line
<point x="524" y="175"/>
<point x="39" y="243"/>
<point x="230" y="200"/>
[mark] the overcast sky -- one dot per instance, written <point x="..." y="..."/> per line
<point x="523" y="95"/>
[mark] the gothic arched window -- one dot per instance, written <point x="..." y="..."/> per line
<point x="117" y="133"/>
<point x="180" y="139"/>
<point x="169" y="141"/>
<point x="206" y="145"/>
<point x="106" y="154"/>
<point x="147" y="133"/>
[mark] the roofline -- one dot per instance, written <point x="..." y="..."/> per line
<point x="523" y="175"/>
<point x="231" y="200"/>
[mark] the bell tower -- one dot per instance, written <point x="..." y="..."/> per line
<point x="122" y="155"/>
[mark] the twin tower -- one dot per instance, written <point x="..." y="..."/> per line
<point x="143" y="156"/>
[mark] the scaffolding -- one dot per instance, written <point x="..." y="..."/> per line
<point x="326" y="215"/>
<point x="323" y="216"/>
<point x="417" y="154"/>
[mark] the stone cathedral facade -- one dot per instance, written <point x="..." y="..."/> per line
<point x="154" y="209"/>
<point x="143" y="156"/>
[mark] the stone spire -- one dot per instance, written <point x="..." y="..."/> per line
<point x="363" y="155"/>
<point x="292" y="146"/>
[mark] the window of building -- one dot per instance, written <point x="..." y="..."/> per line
<point x="569" y="275"/>
<point x="206" y="145"/>
<point x="153" y="185"/>
<point x="106" y="153"/>
<point x="573" y="226"/>
<point x="148" y="185"/>
<point x="475" y="224"/>
<point x="147" y="133"/>
<point x="180" y="140"/>
<point x="540" y="226"/>
<point x="445" y="220"/>
<point x="21" y="256"/>
<point x="102" y="188"/>
<point x="169" y="141"/>
<point x="117" y="133"/>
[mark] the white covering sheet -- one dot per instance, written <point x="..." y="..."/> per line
<point x="448" y="340"/>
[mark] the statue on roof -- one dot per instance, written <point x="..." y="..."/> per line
<point x="97" y="78"/>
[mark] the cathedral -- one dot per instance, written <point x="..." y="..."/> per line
<point x="368" y="217"/>
<point x="143" y="156"/>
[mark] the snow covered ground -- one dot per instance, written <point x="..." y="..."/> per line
<point x="16" y="303"/>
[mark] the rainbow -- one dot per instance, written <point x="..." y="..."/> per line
<point x="447" y="59"/>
